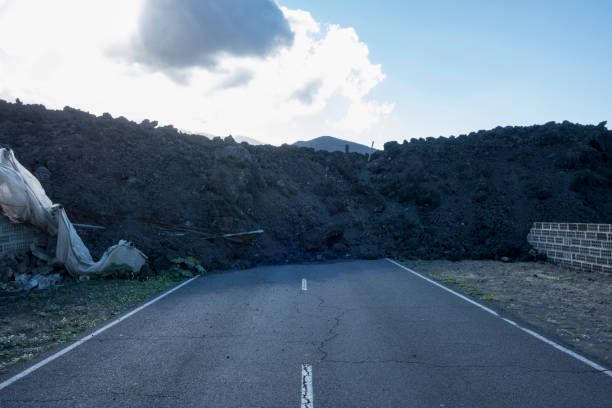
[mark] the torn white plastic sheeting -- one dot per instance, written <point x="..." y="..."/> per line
<point x="76" y="257"/>
<point x="23" y="199"/>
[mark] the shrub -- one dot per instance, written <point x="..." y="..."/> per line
<point x="184" y="268"/>
<point x="115" y="271"/>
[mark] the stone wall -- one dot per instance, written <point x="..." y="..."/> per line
<point x="586" y="247"/>
<point x="16" y="238"/>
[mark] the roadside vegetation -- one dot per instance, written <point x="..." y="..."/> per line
<point x="36" y="321"/>
<point x="465" y="287"/>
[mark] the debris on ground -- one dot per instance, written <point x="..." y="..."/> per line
<point x="25" y="272"/>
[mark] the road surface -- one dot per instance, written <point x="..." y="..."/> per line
<point x="347" y="334"/>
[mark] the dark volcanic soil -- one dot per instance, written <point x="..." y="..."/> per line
<point x="473" y="196"/>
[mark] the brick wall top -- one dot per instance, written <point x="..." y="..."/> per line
<point x="574" y="226"/>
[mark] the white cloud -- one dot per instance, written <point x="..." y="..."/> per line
<point x="319" y="85"/>
<point x="363" y="115"/>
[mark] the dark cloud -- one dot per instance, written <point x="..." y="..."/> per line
<point x="178" y="34"/>
<point x="307" y="93"/>
<point x="237" y="78"/>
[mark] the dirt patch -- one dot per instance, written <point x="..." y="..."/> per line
<point x="31" y="323"/>
<point x="574" y="308"/>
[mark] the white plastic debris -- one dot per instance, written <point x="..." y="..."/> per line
<point x="76" y="257"/>
<point x="23" y="199"/>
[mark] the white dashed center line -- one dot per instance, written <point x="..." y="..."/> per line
<point x="304" y="285"/>
<point x="306" y="386"/>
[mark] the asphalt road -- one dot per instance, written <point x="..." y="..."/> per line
<point x="372" y="334"/>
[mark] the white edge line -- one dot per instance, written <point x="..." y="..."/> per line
<point x="88" y="337"/>
<point x="467" y="299"/>
<point x="307" y="401"/>
<point x="559" y="347"/>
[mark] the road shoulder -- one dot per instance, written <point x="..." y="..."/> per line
<point x="572" y="308"/>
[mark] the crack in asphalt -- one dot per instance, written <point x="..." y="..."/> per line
<point x="37" y="401"/>
<point x="131" y="394"/>
<point x="301" y="313"/>
<point x="322" y="303"/>
<point x="160" y="396"/>
<point x="332" y="335"/>
<point x="481" y="366"/>
<point x="376" y="362"/>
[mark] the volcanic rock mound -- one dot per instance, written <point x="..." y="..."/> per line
<point x="473" y="196"/>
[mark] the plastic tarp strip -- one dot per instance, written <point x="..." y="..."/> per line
<point x="23" y="199"/>
<point x="76" y="257"/>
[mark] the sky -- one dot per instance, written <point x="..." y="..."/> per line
<point x="297" y="69"/>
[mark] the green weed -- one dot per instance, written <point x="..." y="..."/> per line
<point x="470" y="289"/>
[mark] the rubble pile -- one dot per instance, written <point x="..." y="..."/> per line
<point x="478" y="195"/>
<point x="472" y="196"/>
<point x="24" y="272"/>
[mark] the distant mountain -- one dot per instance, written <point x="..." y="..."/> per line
<point x="238" y="138"/>
<point x="333" y="144"/>
<point x="247" y="139"/>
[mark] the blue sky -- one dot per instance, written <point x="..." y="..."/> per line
<point x="457" y="66"/>
<point x="362" y="71"/>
